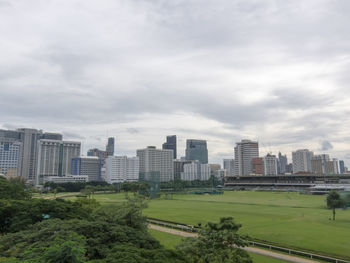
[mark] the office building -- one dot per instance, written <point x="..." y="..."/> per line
<point x="213" y="168"/>
<point x="318" y="163"/>
<point x="110" y="146"/>
<point x="122" y="169"/>
<point x="156" y="160"/>
<point x="282" y="163"/>
<point x="341" y="167"/>
<point x="245" y="151"/>
<point x="257" y="166"/>
<point x="229" y="166"/>
<point x="197" y="150"/>
<point x="170" y="144"/>
<point x="332" y="166"/>
<point x="179" y="167"/>
<point x="102" y="155"/>
<point x="196" y="171"/>
<point x="302" y="161"/>
<point x="54" y="158"/>
<point x="10" y="154"/>
<point x="87" y="165"/>
<point x="270" y="165"/>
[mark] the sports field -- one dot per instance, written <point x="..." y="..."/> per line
<point x="290" y="219"/>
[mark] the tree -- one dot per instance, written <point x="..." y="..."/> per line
<point x="217" y="242"/>
<point x="334" y="201"/>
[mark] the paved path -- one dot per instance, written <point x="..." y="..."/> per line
<point x="255" y="250"/>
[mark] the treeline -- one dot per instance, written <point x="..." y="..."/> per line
<point x="51" y="231"/>
<point x="180" y="185"/>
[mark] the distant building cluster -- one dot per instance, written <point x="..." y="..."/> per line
<point x="42" y="157"/>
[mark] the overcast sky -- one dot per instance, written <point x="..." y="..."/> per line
<point x="220" y="70"/>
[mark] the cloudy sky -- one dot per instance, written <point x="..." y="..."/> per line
<point x="220" y="70"/>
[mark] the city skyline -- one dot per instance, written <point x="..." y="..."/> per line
<point x="221" y="71"/>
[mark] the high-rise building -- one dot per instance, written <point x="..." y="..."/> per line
<point x="229" y="166"/>
<point x="170" y="144"/>
<point x="54" y="158"/>
<point x="341" y="167"/>
<point x="245" y="151"/>
<point x="332" y="166"/>
<point x="179" y="167"/>
<point x="110" y="146"/>
<point x="196" y="171"/>
<point x="270" y="165"/>
<point x="213" y="168"/>
<point x="10" y="154"/>
<point x="87" y="165"/>
<point x="282" y="163"/>
<point x="156" y="160"/>
<point x="197" y="150"/>
<point x="122" y="169"/>
<point x="102" y="155"/>
<point x="302" y="161"/>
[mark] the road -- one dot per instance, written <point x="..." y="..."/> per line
<point x="255" y="250"/>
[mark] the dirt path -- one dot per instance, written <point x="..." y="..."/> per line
<point x="249" y="249"/>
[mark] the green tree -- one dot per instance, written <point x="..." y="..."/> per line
<point x="334" y="201"/>
<point x="217" y="242"/>
<point x="14" y="188"/>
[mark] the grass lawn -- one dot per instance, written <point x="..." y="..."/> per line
<point x="170" y="241"/>
<point x="286" y="218"/>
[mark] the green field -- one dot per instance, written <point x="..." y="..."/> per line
<point x="170" y="241"/>
<point x="289" y="219"/>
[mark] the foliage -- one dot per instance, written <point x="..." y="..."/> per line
<point x="78" y="186"/>
<point x="334" y="201"/>
<point x="16" y="215"/>
<point x="217" y="242"/>
<point x="14" y="188"/>
<point x="179" y="185"/>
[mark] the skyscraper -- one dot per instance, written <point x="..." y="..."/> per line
<point x="170" y="144"/>
<point x="54" y="158"/>
<point x="245" y="151"/>
<point x="179" y="167"/>
<point x="154" y="160"/>
<point x="10" y="154"/>
<point x="197" y="150"/>
<point x="270" y="165"/>
<point x="229" y="166"/>
<point x="302" y="161"/>
<point x="196" y="171"/>
<point x="341" y="167"/>
<point x="110" y="146"/>
<point x="282" y="163"/>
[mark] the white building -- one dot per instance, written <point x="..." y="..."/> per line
<point x="10" y="154"/>
<point x="66" y="179"/>
<point x="302" y="161"/>
<point x="195" y="171"/>
<point x="229" y="166"/>
<point x="157" y="160"/>
<point x="270" y="165"/>
<point x="54" y="158"/>
<point x="121" y="169"/>
<point x="245" y="151"/>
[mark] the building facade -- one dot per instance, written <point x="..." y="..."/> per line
<point x="257" y="166"/>
<point x="110" y="146"/>
<point x="10" y="154"/>
<point x="87" y="165"/>
<point x="341" y="167"/>
<point x="170" y="144"/>
<point x="197" y="150"/>
<point x="270" y="165"/>
<point x="122" y="169"/>
<point x="157" y="160"/>
<point x="229" y="166"/>
<point x="245" y="151"/>
<point x="196" y="171"/>
<point x="54" y="158"/>
<point x="282" y="163"/>
<point x="302" y="161"/>
<point x="179" y="167"/>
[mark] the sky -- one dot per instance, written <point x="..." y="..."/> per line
<point x="276" y="71"/>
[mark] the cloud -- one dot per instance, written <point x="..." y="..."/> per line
<point x="276" y="71"/>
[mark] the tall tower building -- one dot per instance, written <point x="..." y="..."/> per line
<point x="282" y="163"/>
<point x="270" y="165"/>
<point x="10" y="154"/>
<point x="170" y="144"/>
<point x="302" y="161"/>
<point x="156" y="160"/>
<point x="245" y="151"/>
<point x="197" y="150"/>
<point x="110" y="146"/>
<point x="54" y="158"/>
<point x="341" y="167"/>
<point x="229" y="166"/>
